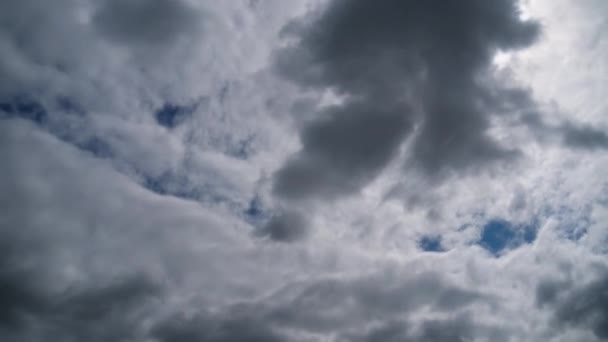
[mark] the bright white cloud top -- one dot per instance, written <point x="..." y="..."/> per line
<point x="303" y="170"/>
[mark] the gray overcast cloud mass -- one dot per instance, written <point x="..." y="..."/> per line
<point x="303" y="170"/>
<point x="399" y="64"/>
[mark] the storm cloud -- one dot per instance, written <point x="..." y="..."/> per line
<point x="403" y="69"/>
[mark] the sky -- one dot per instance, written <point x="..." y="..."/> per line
<point x="303" y="170"/>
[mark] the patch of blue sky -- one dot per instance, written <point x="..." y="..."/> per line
<point x="499" y="236"/>
<point x="171" y="115"/>
<point x="431" y="244"/>
<point x="23" y="107"/>
<point x="255" y="213"/>
<point x="26" y="108"/>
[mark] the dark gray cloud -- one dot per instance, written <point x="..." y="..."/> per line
<point x="19" y="293"/>
<point x="459" y="328"/>
<point x="584" y="137"/>
<point x="109" y="311"/>
<point x="343" y="151"/>
<point x="286" y="226"/>
<point x="569" y="134"/>
<point x="396" y="331"/>
<point x="582" y="306"/>
<point x="209" y="328"/>
<point x="36" y="302"/>
<point x="399" y="65"/>
<point x="146" y="22"/>
<point x="102" y="311"/>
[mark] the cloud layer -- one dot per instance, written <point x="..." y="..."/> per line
<point x="323" y="170"/>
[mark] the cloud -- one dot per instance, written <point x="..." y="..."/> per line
<point x="95" y="312"/>
<point x="351" y="304"/>
<point x="287" y="226"/>
<point x="348" y="308"/>
<point x="18" y="293"/>
<point x="584" y="137"/>
<point x="460" y="328"/>
<point x="398" y="65"/>
<point x="343" y="151"/>
<point x="83" y="272"/>
<point x="499" y="236"/>
<point x="208" y="328"/>
<point x="146" y="22"/>
<point x="584" y="306"/>
<point x="139" y="200"/>
<point x="171" y="270"/>
<point x="568" y="134"/>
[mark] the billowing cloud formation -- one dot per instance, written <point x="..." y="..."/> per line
<point x="398" y="64"/>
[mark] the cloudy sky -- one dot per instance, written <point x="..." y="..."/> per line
<point x="303" y="170"/>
